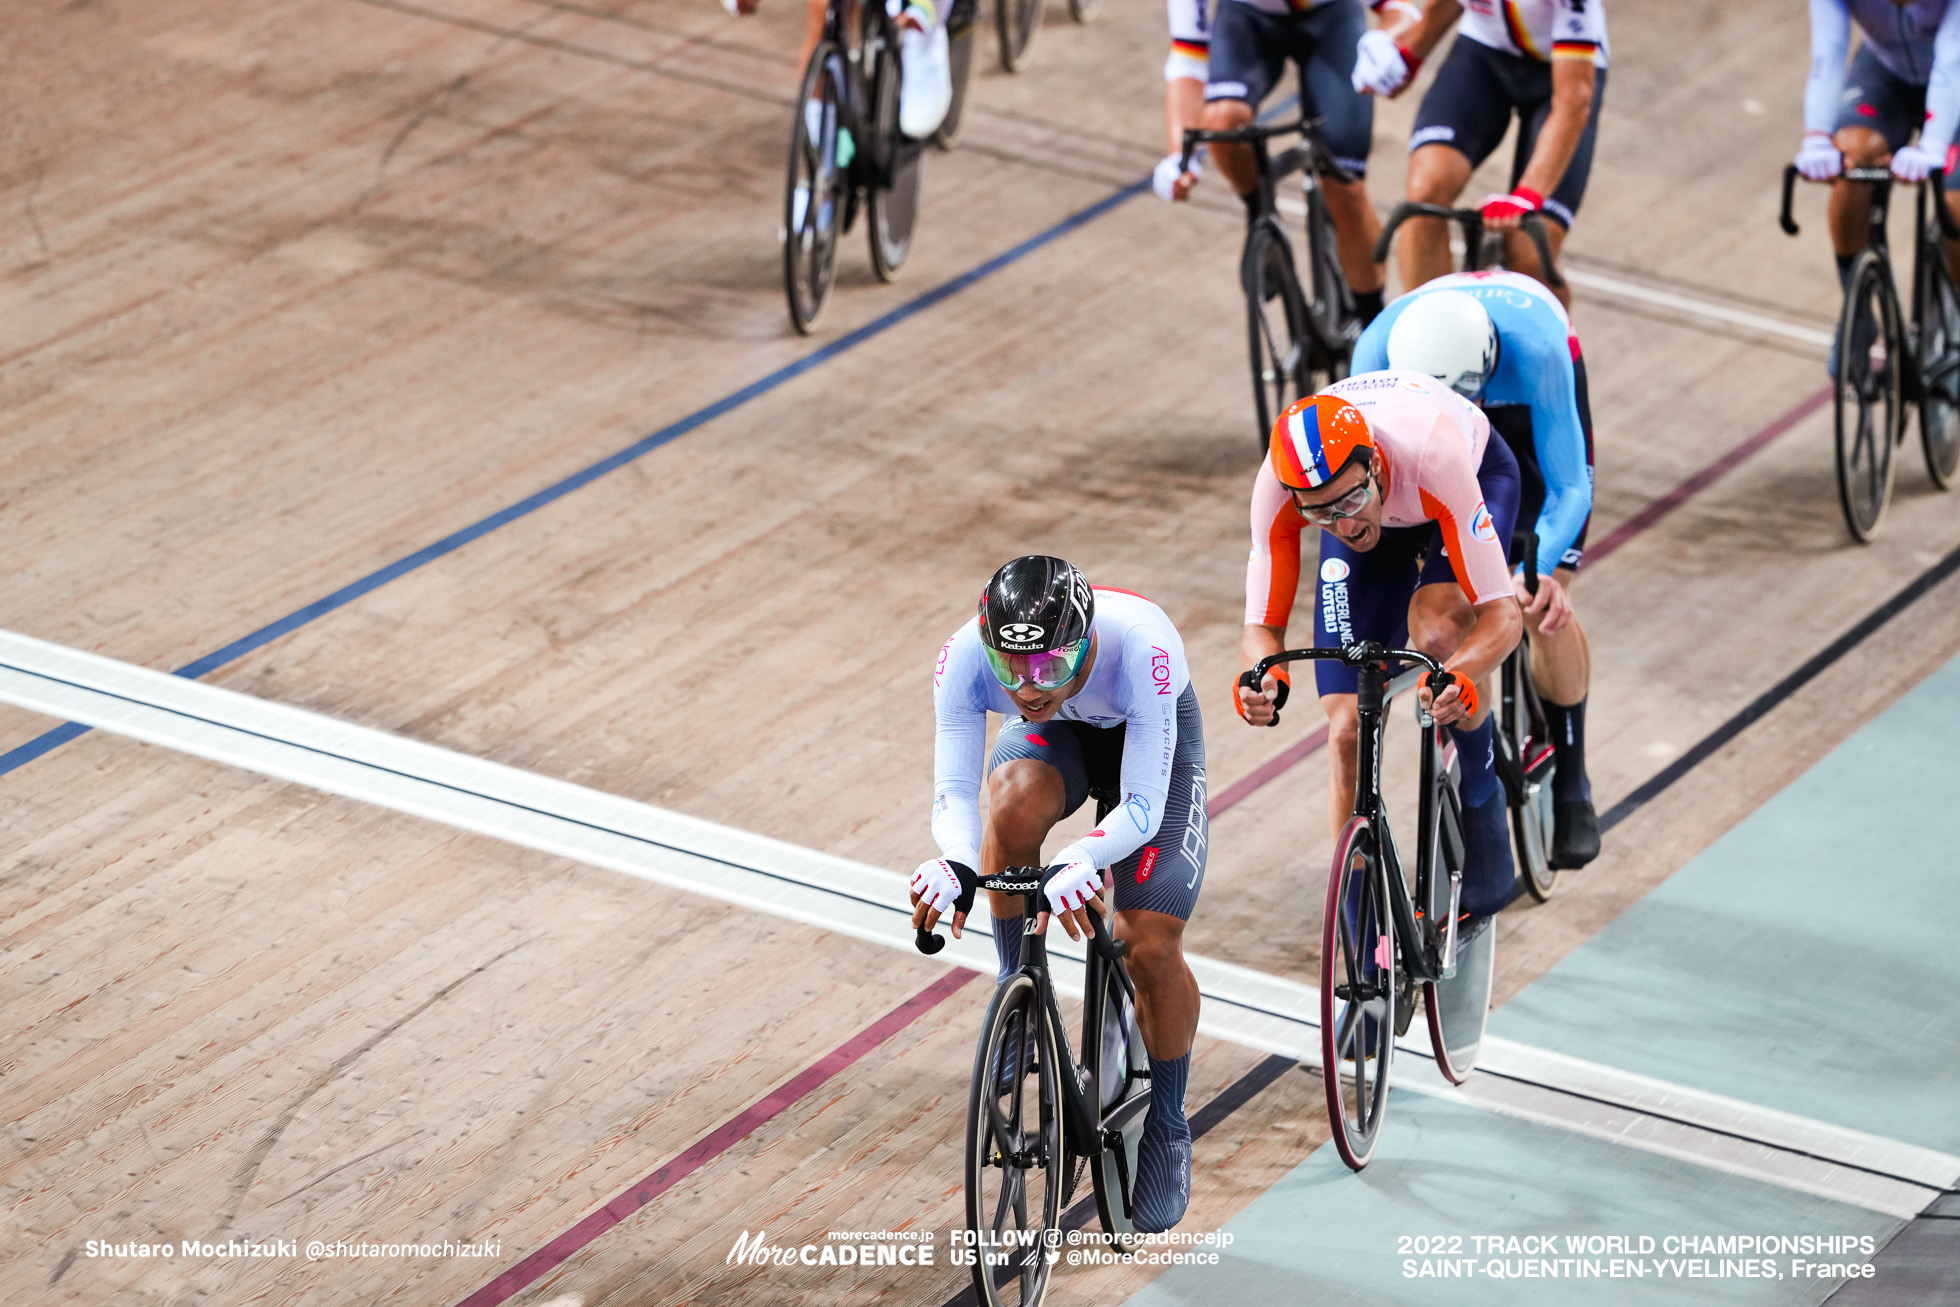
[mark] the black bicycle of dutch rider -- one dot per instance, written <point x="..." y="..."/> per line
<point x="1036" y="1117"/>
<point x="846" y="153"/>
<point x="1386" y="933"/>
<point x="1300" y="338"/>
<point x="1886" y="363"/>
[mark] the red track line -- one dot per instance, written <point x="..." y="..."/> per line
<point x="718" y="1141"/>
<point x="1266" y="771"/>
<point x="1243" y="789"/>
<point x="1680" y="495"/>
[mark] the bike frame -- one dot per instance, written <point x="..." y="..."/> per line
<point x="1372" y="694"/>
<point x="1087" y="1132"/>
<point x="1311" y="160"/>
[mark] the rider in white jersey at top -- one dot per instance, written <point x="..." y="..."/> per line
<point x="1904" y="78"/>
<point x="1095" y="699"/>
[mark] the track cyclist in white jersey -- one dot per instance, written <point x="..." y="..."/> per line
<point x="1500" y="340"/>
<point x="1906" y="76"/>
<point x="1545" y="61"/>
<point x="1096" y="700"/>
<point x="925" y="81"/>
<point x="1252" y="41"/>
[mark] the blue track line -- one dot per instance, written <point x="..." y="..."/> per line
<point x="347" y="594"/>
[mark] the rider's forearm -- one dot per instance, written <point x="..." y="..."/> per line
<point x="1436" y="22"/>
<point x="1259" y="641"/>
<point x="1184" y="106"/>
<point x="1830" y="41"/>
<point x="1572" y="95"/>
<point x="1492" y="637"/>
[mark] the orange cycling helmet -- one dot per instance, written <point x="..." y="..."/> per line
<point x="1316" y="438"/>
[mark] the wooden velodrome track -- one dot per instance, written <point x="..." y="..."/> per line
<point x="293" y="290"/>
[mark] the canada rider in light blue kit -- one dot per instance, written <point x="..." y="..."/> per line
<point x="1504" y="341"/>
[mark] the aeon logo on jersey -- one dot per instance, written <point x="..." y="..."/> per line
<point x="1022" y="632"/>
<point x="1480" y="524"/>
<point x="1160" y="669"/>
<point x="1334" y="569"/>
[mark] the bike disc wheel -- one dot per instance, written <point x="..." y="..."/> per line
<point x="813" y="203"/>
<point x="1118" y="1067"/>
<point x="894" y="189"/>
<point x="1533" y="814"/>
<point x="1276" y="326"/>
<point x="1335" y="321"/>
<point x="1939" y="397"/>
<point x="1459" y="1008"/>
<point x="1014" y="1157"/>
<point x="1357" y="994"/>
<point x="1870" y="406"/>
<point x="961" y="23"/>
<point x="1017" y="21"/>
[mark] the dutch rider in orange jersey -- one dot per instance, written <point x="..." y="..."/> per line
<point x="1415" y="502"/>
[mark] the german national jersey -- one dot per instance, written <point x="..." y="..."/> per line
<point x="1543" y="30"/>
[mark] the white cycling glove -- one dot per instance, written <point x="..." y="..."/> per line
<point x="1911" y="163"/>
<point x="1817" y="159"/>
<point x="1076" y="883"/>
<point x="1165" y="174"/>
<point x="1378" y="65"/>
<point x="940" y="886"/>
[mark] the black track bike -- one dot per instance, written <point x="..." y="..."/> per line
<point x="845" y="154"/>
<point x="1037" y="1117"/>
<point x="1389" y="928"/>
<point x="1884" y="362"/>
<point x="1300" y="336"/>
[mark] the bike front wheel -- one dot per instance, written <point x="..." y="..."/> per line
<point x="1358" y="963"/>
<point x="819" y="181"/>
<point x="1868" y="390"/>
<point x="1017" y="21"/>
<point x="1276" y="325"/>
<point x="1014" y="1159"/>
<point x="1939" y="387"/>
<point x="894" y="191"/>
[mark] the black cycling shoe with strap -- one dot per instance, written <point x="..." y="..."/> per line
<point x="1575" y="835"/>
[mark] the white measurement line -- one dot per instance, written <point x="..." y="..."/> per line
<point x="1668" y="299"/>
<point x="1247" y="1007"/>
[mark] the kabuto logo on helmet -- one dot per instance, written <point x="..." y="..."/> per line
<point x="1036" y="604"/>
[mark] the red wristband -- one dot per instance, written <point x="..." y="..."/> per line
<point x="1409" y="57"/>
<point x="1536" y="200"/>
